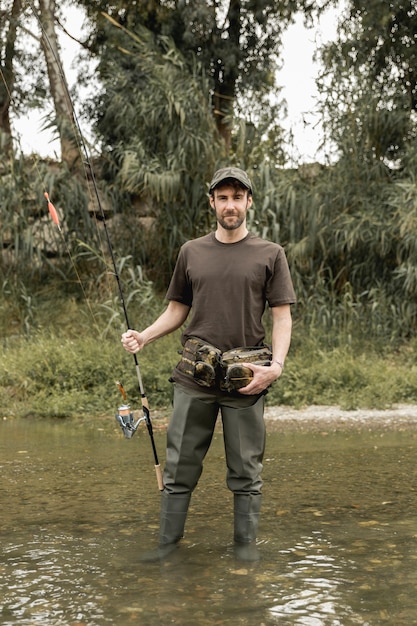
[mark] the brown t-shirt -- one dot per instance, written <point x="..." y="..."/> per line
<point x="228" y="286"/>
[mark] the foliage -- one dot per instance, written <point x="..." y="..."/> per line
<point x="56" y="375"/>
<point x="369" y="83"/>
<point x="351" y="226"/>
<point x="170" y="74"/>
<point x="62" y="356"/>
<point x="68" y="370"/>
<point x="349" y="378"/>
<point x="348" y="228"/>
<point x="350" y="244"/>
<point x="159" y="139"/>
<point x="34" y="248"/>
<point x="237" y="43"/>
<point x="30" y="308"/>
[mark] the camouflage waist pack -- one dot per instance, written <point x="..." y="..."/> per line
<point x="209" y="367"/>
<point x="201" y="361"/>
<point x="235" y="375"/>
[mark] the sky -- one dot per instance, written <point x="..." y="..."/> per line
<point x="297" y="78"/>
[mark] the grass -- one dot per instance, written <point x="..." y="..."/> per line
<point x="52" y="375"/>
<point x="344" y="378"/>
<point x="60" y="362"/>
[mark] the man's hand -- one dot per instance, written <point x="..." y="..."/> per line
<point x="263" y="376"/>
<point x="132" y="341"/>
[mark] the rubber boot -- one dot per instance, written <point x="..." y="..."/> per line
<point x="246" y="519"/>
<point x="174" y="509"/>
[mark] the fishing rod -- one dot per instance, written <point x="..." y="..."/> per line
<point x="124" y="416"/>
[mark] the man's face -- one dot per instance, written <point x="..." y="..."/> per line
<point x="230" y="205"/>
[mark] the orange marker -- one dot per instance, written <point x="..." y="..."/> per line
<point x="52" y="209"/>
<point x="122" y="391"/>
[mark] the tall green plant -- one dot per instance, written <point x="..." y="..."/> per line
<point x="159" y="133"/>
<point x="350" y="244"/>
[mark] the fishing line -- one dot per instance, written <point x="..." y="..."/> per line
<point x="87" y="161"/>
<point x="128" y="425"/>
<point x="55" y="218"/>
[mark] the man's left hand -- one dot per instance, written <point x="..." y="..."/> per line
<point x="263" y="377"/>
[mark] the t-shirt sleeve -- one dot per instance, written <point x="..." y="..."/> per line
<point x="180" y="288"/>
<point x="279" y="287"/>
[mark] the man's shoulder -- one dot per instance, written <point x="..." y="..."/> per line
<point x="256" y="240"/>
<point x="198" y="241"/>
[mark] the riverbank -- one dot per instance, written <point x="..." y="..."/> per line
<point x="69" y="373"/>
<point x="318" y="418"/>
<point x="333" y="418"/>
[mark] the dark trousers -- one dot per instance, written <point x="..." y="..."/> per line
<point x="190" y="433"/>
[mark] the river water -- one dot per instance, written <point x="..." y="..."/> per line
<point x="80" y="504"/>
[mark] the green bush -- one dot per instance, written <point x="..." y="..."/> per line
<point x="65" y="373"/>
<point x="56" y="376"/>
<point x="348" y="376"/>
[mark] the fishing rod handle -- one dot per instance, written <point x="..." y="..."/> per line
<point x="159" y="477"/>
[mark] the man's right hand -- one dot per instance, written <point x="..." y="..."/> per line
<point x="132" y="341"/>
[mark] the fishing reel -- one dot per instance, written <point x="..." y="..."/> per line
<point x="128" y="425"/>
<point x="125" y="416"/>
<point x="126" y="420"/>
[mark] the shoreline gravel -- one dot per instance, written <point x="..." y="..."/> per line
<point x="317" y="418"/>
<point x="333" y="418"/>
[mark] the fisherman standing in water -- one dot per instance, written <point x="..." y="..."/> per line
<point x="226" y="279"/>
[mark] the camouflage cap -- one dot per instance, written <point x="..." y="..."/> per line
<point x="230" y="172"/>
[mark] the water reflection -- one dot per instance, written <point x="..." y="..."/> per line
<point x="338" y="535"/>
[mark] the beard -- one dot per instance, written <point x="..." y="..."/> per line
<point x="228" y="224"/>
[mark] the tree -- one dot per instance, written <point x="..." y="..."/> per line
<point x="160" y="144"/>
<point x="8" y="34"/>
<point x="186" y="86"/>
<point x="58" y="84"/>
<point x="27" y="233"/>
<point x="351" y="232"/>
<point x="23" y="75"/>
<point x="237" y="42"/>
<point x="370" y="81"/>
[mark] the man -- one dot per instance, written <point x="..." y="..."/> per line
<point x="225" y="279"/>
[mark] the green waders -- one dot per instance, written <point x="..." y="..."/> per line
<point x="246" y="519"/>
<point x="174" y="509"/>
<point x="189" y="436"/>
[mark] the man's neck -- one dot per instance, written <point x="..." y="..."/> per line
<point x="231" y="236"/>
